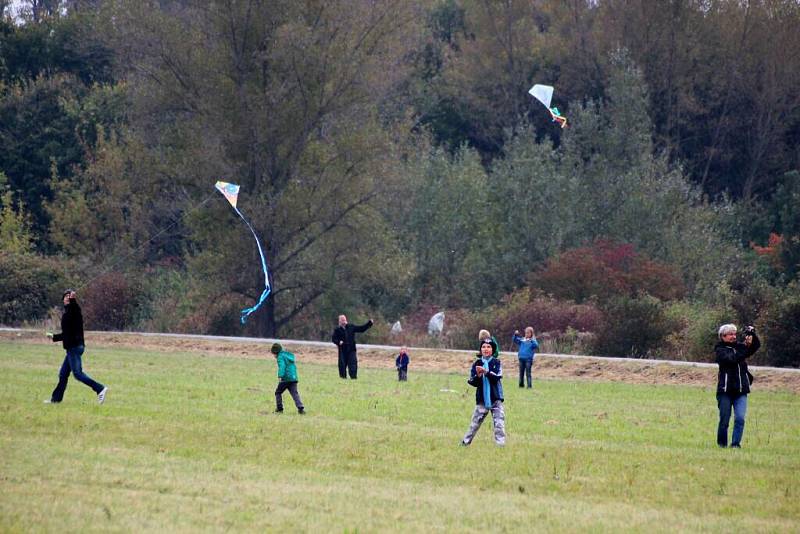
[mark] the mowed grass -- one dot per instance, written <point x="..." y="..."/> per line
<point x="187" y="442"/>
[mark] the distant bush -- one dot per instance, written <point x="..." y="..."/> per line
<point x="29" y="285"/>
<point x="109" y="302"/>
<point x="545" y="314"/>
<point x="633" y="327"/>
<point x="561" y="325"/>
<point x="694" y="334"/>
<point x="781" y="331"/>
<point x="605" y="270"/>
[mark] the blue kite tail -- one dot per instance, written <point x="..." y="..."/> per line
<point x="267" y="288"/>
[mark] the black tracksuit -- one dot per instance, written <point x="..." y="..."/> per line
<point x="344" y="337"/>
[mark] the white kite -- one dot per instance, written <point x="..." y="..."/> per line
<point x="544" y="94"/>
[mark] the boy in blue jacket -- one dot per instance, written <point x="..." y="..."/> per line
<point x="485" y="376"/>
<point x="402" y="365"/>
<point x="287" y="374"/>
<point x="527" y="353"/>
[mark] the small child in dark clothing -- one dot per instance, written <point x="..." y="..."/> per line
<point x="287" y="374"/>
<point x="402" y="365"/>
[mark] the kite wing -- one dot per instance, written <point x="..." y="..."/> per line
<point x="231" y="193"/>
<point x="544" y="94"/>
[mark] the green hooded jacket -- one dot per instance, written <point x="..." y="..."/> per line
<point x="287" y="370"/>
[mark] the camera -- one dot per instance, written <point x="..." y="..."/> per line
<point x="748" y="331"/>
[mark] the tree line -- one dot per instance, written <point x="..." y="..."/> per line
<point x="393" y="164"/>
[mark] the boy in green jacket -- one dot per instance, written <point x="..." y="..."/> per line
<point x="287" y="374"/>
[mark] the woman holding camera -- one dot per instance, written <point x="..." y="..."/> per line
<point x="733" y="383"/>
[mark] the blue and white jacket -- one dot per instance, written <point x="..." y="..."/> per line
<point x="495" y="380"/>
<point x="527" y="347"/>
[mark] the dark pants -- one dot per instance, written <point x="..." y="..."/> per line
<point x="525" y="371"/>
<point x="402" y="374"/>
<point x="739" y="404"/>
<point x="292" y="387"/>
<point x="348" y="363"/>
<point x="72" y="363"/>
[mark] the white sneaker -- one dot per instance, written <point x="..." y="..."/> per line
<point x="101" y="397"/>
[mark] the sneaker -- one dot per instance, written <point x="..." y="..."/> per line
<point x="301" y="411"/>
<point x="278" y="410"/>
<point x="101" y="397"/>
<point x="736" y="446"/>
<point x="51" y="401"/>
<point x="463" y="443"/>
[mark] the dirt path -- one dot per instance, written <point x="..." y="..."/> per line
<point x="546" y="366"/>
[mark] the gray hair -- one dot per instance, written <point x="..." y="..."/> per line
<point x="726" y="329"/>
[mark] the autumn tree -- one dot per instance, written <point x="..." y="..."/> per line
<point x="283" y="99"/>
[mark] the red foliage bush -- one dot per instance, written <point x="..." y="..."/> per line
<point x="545" y="314"/>
<point x="109" y="302"/>
<point x="605" y="270"/>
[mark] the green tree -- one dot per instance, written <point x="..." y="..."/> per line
<point x="15" y="233"/>
<point x="281" y="98"/>
<point x="446" y="221"/>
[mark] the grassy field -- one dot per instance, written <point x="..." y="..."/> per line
<point x="187" y="442"/>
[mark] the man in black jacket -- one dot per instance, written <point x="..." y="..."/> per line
<point x="733" y="380"/>
<point x="71" y="338"/>
<point x="344" y="337"/>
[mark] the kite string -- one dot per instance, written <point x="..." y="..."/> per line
<point x="116" y="264"/>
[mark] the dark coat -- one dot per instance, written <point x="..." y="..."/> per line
<point x="347" y="334"/>
<point x="495" y="376"/>
<point x="401" y="362"/>
<point x="71" y="335"/>
<point x="734" y="378"/>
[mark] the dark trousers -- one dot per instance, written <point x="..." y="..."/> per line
<point x="739" y="404"/>
<point x="292" y="387"/>
<point x="525" y="371"/>
<point x="402" y="374"/>
<point x="348" y="363"/>
<point x="72" y="364"/>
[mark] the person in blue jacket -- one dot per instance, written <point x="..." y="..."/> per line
<point x="527" y="353"/>
<point x="486" y="376"/>
<point x="402" y="365"/>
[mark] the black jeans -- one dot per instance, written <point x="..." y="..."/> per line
<point x="348" y="363"/>
<point x="402" y="374"/>
<point x="292" y="387"/>
<point x="525" y="369"/>
<point x="72" y="363"/>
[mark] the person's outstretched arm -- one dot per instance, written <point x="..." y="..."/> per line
<point x="364" y="327"/>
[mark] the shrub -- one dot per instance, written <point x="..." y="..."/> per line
<point x="695" y="330"/>
<point x="606" y="270"/>
<point x="109" y="302"/>
<point x="220" y="317"/>
<point x="781" y="331"/>
<point x="29" y="284"/>
<point x="632" y="327"/>
<point x="551" y="319"/>
<point x="545" y="314"/>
